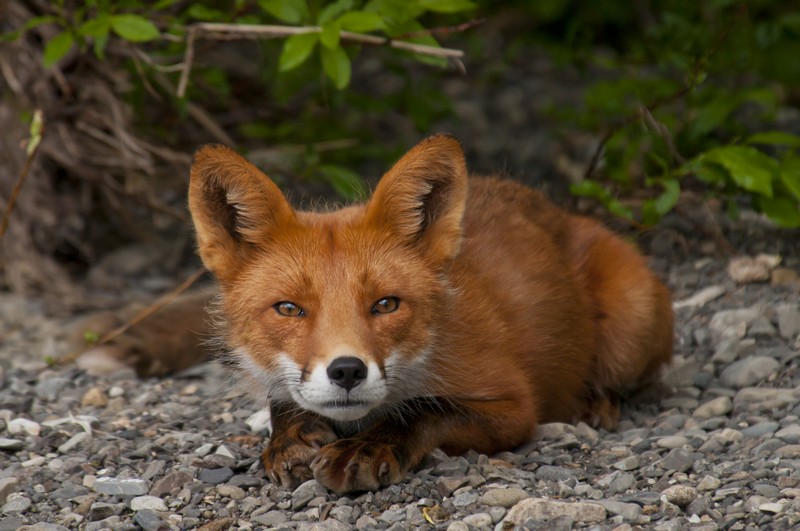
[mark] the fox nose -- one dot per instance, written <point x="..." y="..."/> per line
<point x="347" y="372"/>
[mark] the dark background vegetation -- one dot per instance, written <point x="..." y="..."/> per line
<point x="654" y="110"/>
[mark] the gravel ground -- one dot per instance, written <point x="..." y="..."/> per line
<point x="719" y="449"/>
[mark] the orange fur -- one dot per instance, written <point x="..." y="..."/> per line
<point x="510" y="313"/>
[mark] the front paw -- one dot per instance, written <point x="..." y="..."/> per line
<point x="287" y="458"/>
<point x="349" y="465"/>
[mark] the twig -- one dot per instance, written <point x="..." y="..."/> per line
<point x="139" y="317"/>
<point x="245" y="31"/>
<point x="37" y="130"/>
<point x="445" y="30"/>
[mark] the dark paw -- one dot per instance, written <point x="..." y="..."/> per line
<point x="287" y="458"/>
<point x="349" y="465"/>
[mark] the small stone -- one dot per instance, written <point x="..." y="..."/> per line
<point x="204" y="449"/>
<point x="714" y="408"/>
<point x="727" y="350"/>
<point x="120" y="486"/>
<point x="773" y="507"/>
<point x="584" y="431"/>
<point x="749" y="371"/>
<point x="789" y="434"/>
<point x="788" y="320"/>
<point x="762" y="327"/>
<point x="680" y="495"/>
<point x="392" y="516"/>
<point x="478" y="520"/>
<point x="50" y="388"/>
<point x="464" y="499"/>
<point x="94" y="397"/>
<point x="543" y="508"/>
<point x="784" y="276"/>
<point x="732" y="323"/>
<point x="75" y="441"/>
<point x="271" y="519"/>
<point x="760" y="430"/>
<point x="152" y="503"/>
<point x="458" y="526"/>
<point x="16" y="504"/>
<point x="749" y="269"/>
<point x="679" y="460"/>
<point x="215" y="476"/>
<point x="229" y="491"/>
<point x="24" y="426"/>
<point x="366" y="522"/>
<point x="11" y="444"/>
<point x="553" y="430"/>
<point x="503" y="497"/>
<point x="789" y="451"/>
<point x="554" y="473"/>
<point x="7" y="486"/>
<point x="445" y="486"/>
<point x="632" y="462"/>
<point x="672" y="441"/>
<point x="172" y="481"/>
<point x="307" y="492"/>
<point x="328" y="525"/>
<point x="224" y="451"/>
<point x="628" y="511"/>
<point x="149" y="521"/>
<point x="701" y="298"/>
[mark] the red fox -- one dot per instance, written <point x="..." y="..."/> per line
<point x="447" y="311"/>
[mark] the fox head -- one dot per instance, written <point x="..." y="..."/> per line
<point x="336" y="311"/>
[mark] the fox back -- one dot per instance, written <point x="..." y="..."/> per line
<point x="465" y="309"/>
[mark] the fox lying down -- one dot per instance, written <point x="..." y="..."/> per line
<point x="448" y="311"/>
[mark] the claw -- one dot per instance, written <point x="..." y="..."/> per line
<point x="383" y="470"/>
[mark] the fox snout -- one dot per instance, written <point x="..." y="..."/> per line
<point x="347" y="372"/>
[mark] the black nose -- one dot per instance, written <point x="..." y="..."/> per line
<point x="347" y="372"/>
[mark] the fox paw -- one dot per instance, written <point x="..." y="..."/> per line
<point x="349" y="465"/>
<point x="287" y="458"/>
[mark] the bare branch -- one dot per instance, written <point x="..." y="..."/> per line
<point x="37" y="129"/>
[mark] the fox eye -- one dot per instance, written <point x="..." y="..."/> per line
<point x="386" y="305"/>
<point x="289" y="309"/>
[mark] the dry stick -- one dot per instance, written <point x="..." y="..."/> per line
<point x="37" y="129"/>
<point x="139" y="317"/>
<point x="244" y="31"/>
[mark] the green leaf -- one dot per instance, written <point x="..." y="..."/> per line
<point x="134" y="28"/>
<point x="361" y="22"/>
<point x="30" y="24"/>
<point x="669" y="198"/>
<point x="775" y="138"/>
<point x="749" y="168"/>
<point x="333" y="10"/>
<point x="345" y="181"/>
<point x="296" y="50"/>
<point x="57" y="47"/>
<point x="782" y="210"/>
<point x="96" y="27"/>
<point x="790" y="175"/>
<point x="446" y="6"/>
<point x="329" y="36"/>
<point x="337" y="65"/>
<point x="290" y="11"/>
<point x="90" y="337"/>
<point x="587" y="188"/>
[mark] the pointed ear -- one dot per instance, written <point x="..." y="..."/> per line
<point x="422" y="198"/>
<point x="234" y="207"/>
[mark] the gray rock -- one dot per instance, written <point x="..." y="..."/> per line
<point x="458" y="526"/>
<point x="727" y="350"/>
<point x="749" y="371"/>
<point x="714" y="408"/>
<point x="543" y="508"/>
<point x="776" y="397"/>
<point x="102" y="510"/>
<point x="759" y="430"/>
<point x="271" y="519"/>
<point x="151" y="503"/>
<point x="50" y="388"/>
<point x="7" y="486"/>
<point x="680" y="495"/>
<point x="328" y="525"/>
<point x="366" y="522"/>
<point x="215" y="476"/>
<point x="788" y="320"/>
<point x="11" y="444"/>
<point x="478" y="520"/>
<point x="446" y="486"/>
<point x="121" y="486"/>
<point x="497" y="514"/>
<point x="17" y="504"/>
<point x="554" y="473"/>
<point x="762" y="327"/>
<point x="503" y="497"/>
<point x="393" y="515"/>
<point x="732" y="323"/>
<point x="170" y="482"/>
<point x="789" y="434"/>
<point x="150" y="521"/>
<point x="306" y="492"/>
<point x="43" y="526"/>
<point x="672" y="441"/>
<point x="464" y="499"/>
<point x="628" y="511"/>
<point x="112" y="522"/>
<point x="632" y="462"/>
<point x="679" y="460"/>
<point x="229" y="491"/>
<point x="75" y="441"/>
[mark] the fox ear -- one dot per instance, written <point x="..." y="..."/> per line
<point x="234" y="207"/>
<point x="422" y="198"/>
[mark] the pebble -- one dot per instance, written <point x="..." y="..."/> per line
<point x="16" y="504"/>
<point x="23" y="426"/>
<point x="714" y="408"/>
<point x="632" y="462"/>
<point x="74" y="442"/>
<point x="749" y="371"/>
<point x="543" y="508"/>
<point x="7" y="486"/>
<point x="672" y="441"/>
<point x="215" y="476"/>
<point x="680" y="495"/>
<point x="94" y="397"/>
<point x="120" y="486"/>
<point x="11" y="444"/>
<point x="152" y="503"/>
<point x="788" y="320"/>
<point x="503" y="497"/>
<point x="149" y="520"/>
<point x="306" y="492"/>
<point x="628" y="511"/>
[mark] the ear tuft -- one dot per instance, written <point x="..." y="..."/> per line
<point x="234" y="207"/>
<point x="422" y="198"/>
